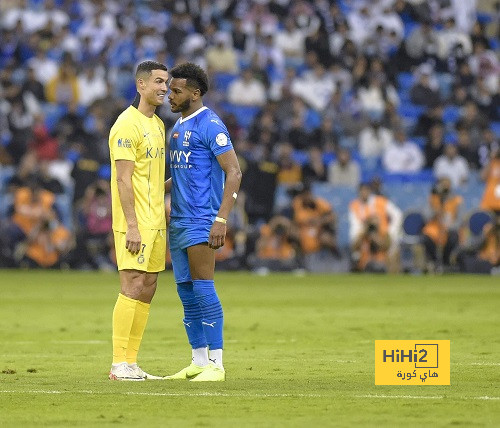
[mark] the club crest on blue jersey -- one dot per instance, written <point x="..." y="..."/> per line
<point x="124" y="142"/>
<point x="187" y="135"/>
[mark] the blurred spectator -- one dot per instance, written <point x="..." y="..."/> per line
<point x="314" y="169"/>
<point x="402" y="156"/>
<point x="366" y="212"/>
<point x="440" y="232"/>
<point x="46" y="246"/>
<point x="92" y="85"/>
<point x="466" y="149"/>
<point x="44" y="145"/>
<point x="315" y="222"/>
<point x="473" y="121"/>
<point x="239" y="36"/>
<point x="434" y="145"/>
<point x="290" y="40"/>
<point x="33" y="169"/>
<point x="275" y="248"/>
<point x="222" y="57"/>
<point x="451" y="165"/>
<point x="374" y="96"/>
<point x="247" y="90"/>
<point x="94" y="227"/>
<point x="33" y="86"/>
<point x="422" y="44"/>
<point x="426" y="90"/>
<point x="453" y="42"/>
<point x="370" y="251"/>
<point x="484" y="63"/>
<point x="489" y="145"/>
<point x="432" y="116"/>
<point x="344" y="171"/>
<point x="482" y="255"/>
<point x="259" y="182"/>
<point x="374" y="139"/>
<point x="63" y="88"/>
<point x="315" y="87"/>
<point x="290" y="172"/>
<point x="45" y="68"/>
<point x="32" y="207"/>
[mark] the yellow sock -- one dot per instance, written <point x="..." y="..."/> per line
<point x="123" y="318"/>
<point x="138" y="327"/>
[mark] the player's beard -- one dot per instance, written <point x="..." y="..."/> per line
<point x="181" y="107"/>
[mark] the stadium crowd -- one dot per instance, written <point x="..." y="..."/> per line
<point x="367" y="131"/>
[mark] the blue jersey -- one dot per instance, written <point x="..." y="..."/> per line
<point x="197" y="177"/>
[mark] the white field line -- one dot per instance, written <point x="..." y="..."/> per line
<point x="164" y="394"/>
<point x="243" y="395"/>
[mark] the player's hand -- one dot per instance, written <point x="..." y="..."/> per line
<point x="133" y="240"/>
<point x="217" y="235"/>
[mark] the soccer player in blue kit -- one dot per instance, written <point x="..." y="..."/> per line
<point x="205" y="179"/>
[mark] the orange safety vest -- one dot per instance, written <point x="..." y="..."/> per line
<point x="275" y="249"/>
<point x="435" y="228"/>
<point x="377" y="208"/>
<point x="24" y="196"/>
<point x="491" y="196"/>
<point x="309" y="233"/>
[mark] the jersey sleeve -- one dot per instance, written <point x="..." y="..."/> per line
<point x="217" y="137"/>
<point x="123" y="141"/>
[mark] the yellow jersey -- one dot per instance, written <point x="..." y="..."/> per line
<point x="140" y="139"/>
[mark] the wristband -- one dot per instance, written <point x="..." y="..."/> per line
<point x="221" y="220"/>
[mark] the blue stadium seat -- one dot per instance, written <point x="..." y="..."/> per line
<point x="411" y="111"/>
<point x="6" y="203"/>
<point x="6" y="173"/>
<point x="477" y="220"/>
<point x="300" y="156"/>
<point x="405" y="80"/>
<point x="223" y="80"/>
<point x="495" y="127"/>
<point x="413" y="223"/>
<point x="244" y="114"/>
<point x="451" y="114"/>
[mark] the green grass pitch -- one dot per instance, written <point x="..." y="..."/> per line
<point x="299" y="352"/>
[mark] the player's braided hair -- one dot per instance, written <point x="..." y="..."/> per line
<point x="195" y="76"/>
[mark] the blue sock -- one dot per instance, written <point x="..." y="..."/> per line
<point x="213" y="318"/>
<point x="192" y="315"/>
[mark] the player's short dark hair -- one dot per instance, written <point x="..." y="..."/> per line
<point x="195" y="76"/>
<point x="148" y="66"/>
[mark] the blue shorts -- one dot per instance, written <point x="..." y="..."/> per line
<point x="181" y="235"/>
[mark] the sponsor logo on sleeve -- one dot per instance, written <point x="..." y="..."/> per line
<point x="124" y="142"/>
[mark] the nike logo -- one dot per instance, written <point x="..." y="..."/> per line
<point x="213" y="361"/>
<point x="187" y="324"/>
<point x="211" y="324"/>
<point x="146" y="134"/>
<point x="214" y="121"/>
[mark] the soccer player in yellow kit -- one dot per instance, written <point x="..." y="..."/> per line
<point x="137" y="152"/>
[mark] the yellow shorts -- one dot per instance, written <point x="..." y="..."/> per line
<point x="151" y="257"/>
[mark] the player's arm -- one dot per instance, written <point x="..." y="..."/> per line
<point x="229" y="164"/>
<point x="168" y="185"/>
<point x="124" y="171"/>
